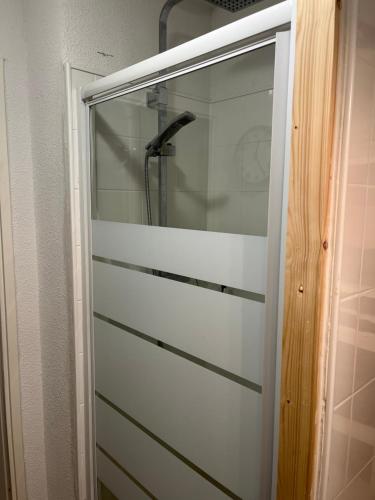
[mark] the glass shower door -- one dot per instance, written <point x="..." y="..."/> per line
<point x="186" y="229"/>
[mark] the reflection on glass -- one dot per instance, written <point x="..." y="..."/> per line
<point x="213" y="172"/>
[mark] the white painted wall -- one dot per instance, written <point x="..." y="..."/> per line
<point x="13" y="48"/>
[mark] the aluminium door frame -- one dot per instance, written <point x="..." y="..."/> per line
<point x="12" y="448"/>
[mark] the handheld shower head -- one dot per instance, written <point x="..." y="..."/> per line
<point x="154" y="147"/>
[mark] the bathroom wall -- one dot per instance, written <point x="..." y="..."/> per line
<point x="13" y="48"/>
<point x="349" y="449"/>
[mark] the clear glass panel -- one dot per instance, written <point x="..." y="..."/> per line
<point x="213" y="174"/>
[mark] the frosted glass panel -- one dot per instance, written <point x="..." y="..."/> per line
<point x="159" y="470"/>
<point x="184" y="309"/>
<point x="213" y="173"/>
<point x="237" y="261"/>
<point x="113" y="478"/>
<point x="211" y="421"/>
<point x="224" y="330"/>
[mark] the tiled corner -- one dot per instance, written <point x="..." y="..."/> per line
<point x="353" y="239"/>
<point x="368" y="264"/>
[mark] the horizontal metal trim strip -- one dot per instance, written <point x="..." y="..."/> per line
<point x="189" y="357"/>
<point x="253" y="25"/>
<point x="165" y="445"/>
<point x="124" y="471"/>
<point x="183" y="68"/>
<point x="216" y="287"/>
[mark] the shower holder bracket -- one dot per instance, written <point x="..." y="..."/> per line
<point x="168" y="150"/>
<point x="157" y="98"/>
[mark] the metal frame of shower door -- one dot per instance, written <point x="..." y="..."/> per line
<point x="11" y="433"/>
<point x="134" y="78"/>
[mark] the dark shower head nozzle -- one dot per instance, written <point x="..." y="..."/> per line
<point x="154" y="147"/>
<point x="233" y="5"/>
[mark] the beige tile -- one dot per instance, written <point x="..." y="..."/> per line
<point x="365" y="29"/>
<point x="365" y="363"/>
<point x="362" y="444"/>
<point x="363" y="407"/>
<point x="371" y="169"/>
<point x="361" y="122"/>
<point x="344" y="371"/>
<point x="365" y="367"/>
<point x="363" y="487"/>
<point x="352" y="243"/>
<point x="338" y="452"/>
<point x="345" y="350"/>
<point x="368" y="265"/>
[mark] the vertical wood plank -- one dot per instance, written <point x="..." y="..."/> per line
<point x="310" y="187"/>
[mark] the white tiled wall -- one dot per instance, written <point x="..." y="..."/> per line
<point x="123" y="128"/>
<point x="240" y="143"/>
<point x="350" y="471"/>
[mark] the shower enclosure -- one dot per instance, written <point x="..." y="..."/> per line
<point x="185" y="298"/>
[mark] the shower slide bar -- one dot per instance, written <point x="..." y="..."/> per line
<point x="263" y="21"/>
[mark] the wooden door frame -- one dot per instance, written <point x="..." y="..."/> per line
<point x="308" y="245"/>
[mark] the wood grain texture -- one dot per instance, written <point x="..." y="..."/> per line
<point x="307" y="239"/>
